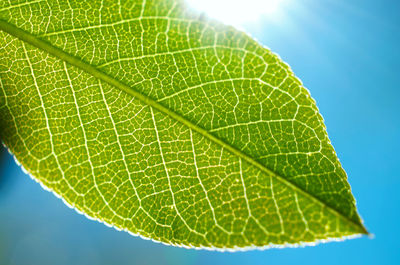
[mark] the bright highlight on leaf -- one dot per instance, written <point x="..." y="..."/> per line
<point x="238" y="12"/>
<point x="153" y="119"/>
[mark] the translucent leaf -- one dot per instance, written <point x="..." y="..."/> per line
<point x="156" y="120"/>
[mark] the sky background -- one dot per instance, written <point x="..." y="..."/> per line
<point x="347" y="53"/>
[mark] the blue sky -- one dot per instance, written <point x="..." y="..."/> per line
<point x="347" y="53"/>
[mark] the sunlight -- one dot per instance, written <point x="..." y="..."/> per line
<point x="238" y="12"/>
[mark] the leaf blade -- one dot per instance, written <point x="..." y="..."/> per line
<point x="205" y="133"/>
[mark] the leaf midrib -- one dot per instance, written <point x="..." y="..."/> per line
<point x="43" y="45"/>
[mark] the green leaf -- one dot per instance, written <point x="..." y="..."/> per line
<point x="156" y="120"/>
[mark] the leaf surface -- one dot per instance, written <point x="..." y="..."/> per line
<point x="153" y="119"/>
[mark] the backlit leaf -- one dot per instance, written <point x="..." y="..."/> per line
<point x="156" y="120"/>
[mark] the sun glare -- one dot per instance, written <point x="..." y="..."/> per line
<point x="238" y="12"/>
